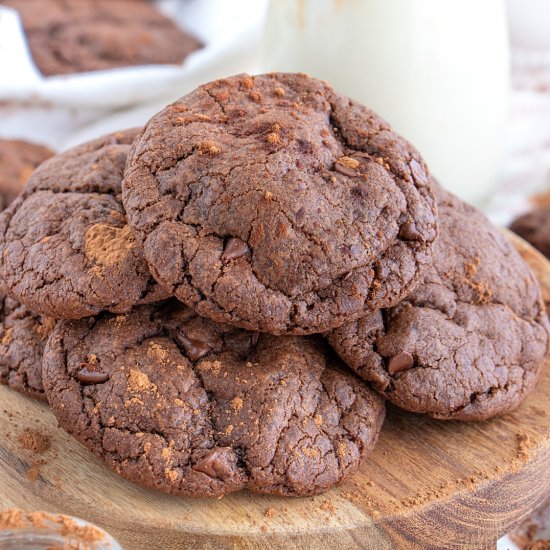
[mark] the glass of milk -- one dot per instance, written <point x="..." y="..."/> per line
<point x="437" y="70"/>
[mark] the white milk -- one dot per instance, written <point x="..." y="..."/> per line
<point x="437" y="70"/>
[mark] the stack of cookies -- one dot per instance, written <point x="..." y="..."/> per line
<point x="226" y="298"/>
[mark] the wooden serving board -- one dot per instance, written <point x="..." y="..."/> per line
<point x="427" y="485"/>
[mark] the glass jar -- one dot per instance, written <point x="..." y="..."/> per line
<point x="438" y="71"/>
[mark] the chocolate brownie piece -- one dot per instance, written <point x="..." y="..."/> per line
<point x="178" y="403"/>
<point x="66" y="250"/>
<point x="469" y="342"/>
<point x="23" y="335"/>
<point x="534" y="227"/>
<point x="73" y="36"/>
<point x="275" y="204"/>
<point x="18" y="159"/>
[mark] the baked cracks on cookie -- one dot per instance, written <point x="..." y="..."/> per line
<point x="332" y="212"/>
<point x="66" y="250"/>
<point x="179" y="403"/>
<point x="468" y="343"/>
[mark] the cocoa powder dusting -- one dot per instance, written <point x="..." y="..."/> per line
<point x="108" y="245"/>
<point x="328" y="506"/>
<point x="139" y="382"/>
<point x="270" y="512"/>
<point x="356" y="493"/>
<point x="35" y="441"/>
<point x="34" y="469"/>
<point x="525" y="443"/>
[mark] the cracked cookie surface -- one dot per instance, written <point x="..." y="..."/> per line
<point x="178" y="403"/>
<point x="469" y="342"/>
<point x="275" y="204"/>
<point x="23" y="335"/>
<point x="18" y="159"/>
<point x="68" y="36"/>
<point x="66" y="250"/>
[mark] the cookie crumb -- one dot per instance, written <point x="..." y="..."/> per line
<point x="341" y="449"/>
<point x="209" y="147"/>
<point x="214" y="366"/>
<point x="349" y="162"/>
<point x="171" y="474"/>
<point x="255" y="96"/>
<point x="279" y="92"/>
<point x="247" y="83"/>
<point x="139" y="382"/>
<point x="7" y="336"/>
<point x="311" y="452"/>
<point x="524" y="444"/>
<point x="328" y="506"/>
<point x="346" y="166"/>
<point x="34" y="469"/>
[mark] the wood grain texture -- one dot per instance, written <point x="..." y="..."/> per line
<point x="427" y="485"/>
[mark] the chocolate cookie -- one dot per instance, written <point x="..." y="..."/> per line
<point x="534" y="227"/>
<point x="73" y="36"/>
<point x="23" y="335"/>
<point x="469" y="342"/>
<point x="18" y="159"/>
<point x="65" y="248"/>
<point x="275" y="204"/>
<point x="178" y="403"/>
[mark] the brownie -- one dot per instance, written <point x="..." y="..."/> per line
<point x="18" y="159"/>
<point x="181" y="404"/>
<point x="66" y="250"/>
<point x="468" y="343"/>
<point x="275" y="204"/>
<point x="74" y="36"/>
<point x="534" y="227"/>
<point x="23" y="335"/>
